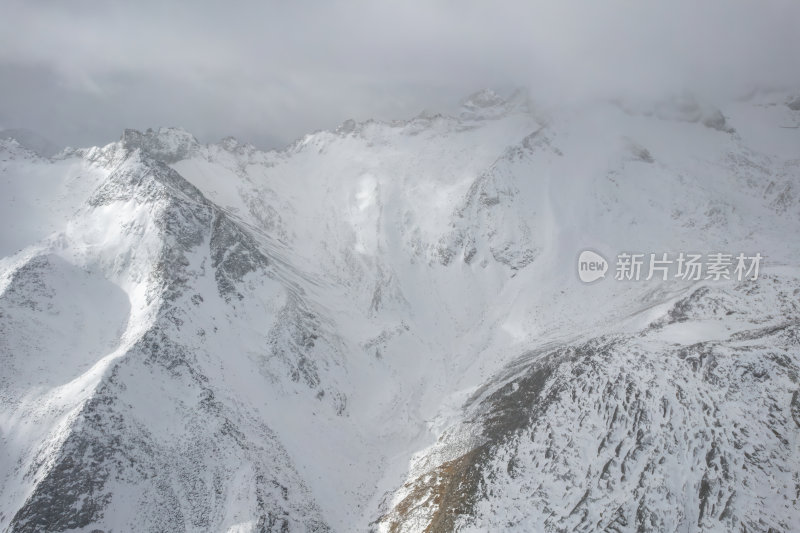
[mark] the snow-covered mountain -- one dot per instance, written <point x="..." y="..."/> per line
<point x="31" y="140"/>
<point x="381" y="327"/>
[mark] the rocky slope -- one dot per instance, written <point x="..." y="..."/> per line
<point x="381" y="327"/>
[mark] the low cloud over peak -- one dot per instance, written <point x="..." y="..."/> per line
<point x="267" y="72"/>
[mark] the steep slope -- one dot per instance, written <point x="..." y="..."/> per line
<point x="122" y="437"/>
<point x="689" y="424"/>
<point x="381" y="327"/>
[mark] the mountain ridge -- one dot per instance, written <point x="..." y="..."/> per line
<point x="364" y="330"/>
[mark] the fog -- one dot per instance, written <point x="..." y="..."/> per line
<point x="267" y="72"/>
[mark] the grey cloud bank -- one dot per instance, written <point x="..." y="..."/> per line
<point x="267" y="72"/>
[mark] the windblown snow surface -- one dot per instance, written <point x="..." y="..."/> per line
<point x="381" y="327"/>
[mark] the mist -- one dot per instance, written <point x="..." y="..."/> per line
<point x="268" y="72"/>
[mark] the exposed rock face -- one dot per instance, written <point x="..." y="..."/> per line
<point x="168" y="145"/>
<point x="380" y="328"/>
<point x="593" y="435"/>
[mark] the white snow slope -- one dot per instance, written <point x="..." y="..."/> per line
<point x="382" y="328"/>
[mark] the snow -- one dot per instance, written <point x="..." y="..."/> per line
<point x="39" y="196"/>
<point x="409" y="270"/>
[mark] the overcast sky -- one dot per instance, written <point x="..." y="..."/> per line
<point x="80" y="72"/>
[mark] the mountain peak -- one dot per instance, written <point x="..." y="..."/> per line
<point x="175" y="338"/>
<point x="167" y="144"/>
<point x="487" y="103"/>
<point x="32" y="141"/>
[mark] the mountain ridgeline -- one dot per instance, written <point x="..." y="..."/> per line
<point x="381" y="327"/>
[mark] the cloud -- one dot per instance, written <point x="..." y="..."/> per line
<point x="82" y="71"/>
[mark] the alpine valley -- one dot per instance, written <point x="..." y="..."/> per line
<point x="381" y="327"/>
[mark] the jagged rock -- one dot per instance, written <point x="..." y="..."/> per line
<point x="380" y="328"/>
